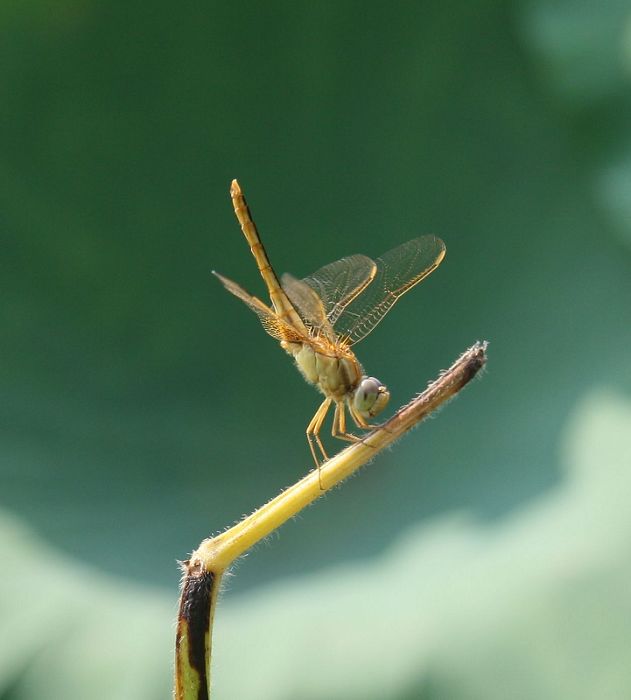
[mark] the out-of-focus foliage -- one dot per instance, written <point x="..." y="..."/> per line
<point x="486" y="555"/>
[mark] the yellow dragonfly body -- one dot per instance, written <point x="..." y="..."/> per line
<point x="318" y="319"/>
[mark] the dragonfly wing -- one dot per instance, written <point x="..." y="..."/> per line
<point x="398" y="271"/>
<point x="339" y="282"/>
<point x="308" y="304"/>
<point x="273" y="325"/>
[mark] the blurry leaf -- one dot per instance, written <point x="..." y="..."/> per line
<point x="69" y="632"/>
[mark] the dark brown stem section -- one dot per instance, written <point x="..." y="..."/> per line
<point x="193" y="638"/>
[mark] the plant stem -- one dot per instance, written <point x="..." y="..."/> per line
<point x="203" y="572"/>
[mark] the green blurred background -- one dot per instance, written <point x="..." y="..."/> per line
<point x="487" y="555"/>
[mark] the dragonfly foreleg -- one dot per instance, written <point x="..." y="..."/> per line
<point x="359" y="421"/>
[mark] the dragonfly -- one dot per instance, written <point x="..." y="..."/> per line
<point x="319" y="319"/>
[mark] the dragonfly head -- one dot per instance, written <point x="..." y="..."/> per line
<point x="370" y="398"/>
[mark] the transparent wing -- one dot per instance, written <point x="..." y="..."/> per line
<point x="398" y="271"/>
<point x="309" y="305"/>
<point x="272" y="324"/>
<point x="338" y="283"/>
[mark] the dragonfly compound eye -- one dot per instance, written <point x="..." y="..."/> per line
<point x="371" y="397"/>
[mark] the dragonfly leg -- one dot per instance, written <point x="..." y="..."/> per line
<point x="313" y="433"/>
<point x="339" y="424"/>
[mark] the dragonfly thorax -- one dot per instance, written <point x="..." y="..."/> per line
<point x="370" y="397"/>
<point x="334" y="371"/>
